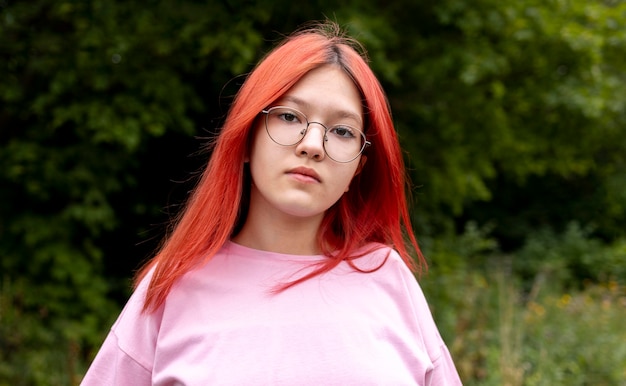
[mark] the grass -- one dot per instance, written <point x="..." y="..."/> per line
<point x="530" y="318"/>
<point x="501" y="334"/>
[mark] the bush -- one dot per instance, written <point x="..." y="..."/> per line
<point x="40" y="347"/>
<point x="549" y="314"/>
<point x="569" y="259"/>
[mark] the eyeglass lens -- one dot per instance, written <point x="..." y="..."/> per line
<point x="287" y="127"/>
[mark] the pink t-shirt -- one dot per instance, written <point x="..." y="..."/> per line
<point x="222" y="325"/>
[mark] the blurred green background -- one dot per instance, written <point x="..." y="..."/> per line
<point x="512" y="115"/>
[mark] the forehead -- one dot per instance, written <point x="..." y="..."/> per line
<point x="327" y="92"/>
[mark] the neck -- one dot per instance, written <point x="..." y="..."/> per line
<point x="281" y="234"/>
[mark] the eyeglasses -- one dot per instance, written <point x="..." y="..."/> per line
<point x="287" y="127"/>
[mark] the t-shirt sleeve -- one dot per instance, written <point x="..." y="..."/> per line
<point x="113" y="366"/>
<point x="127" y="355"/>
<point x="444" y="371"/>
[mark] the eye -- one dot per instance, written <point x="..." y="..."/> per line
<point x="289" y="117"/>
<point x="343" y="131"/>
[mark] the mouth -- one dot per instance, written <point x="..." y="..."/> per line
<point x="305" y="174"/>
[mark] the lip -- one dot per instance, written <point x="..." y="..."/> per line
<point x="306" y="174"/>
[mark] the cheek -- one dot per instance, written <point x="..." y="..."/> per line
<point x="347" y="178"/>
<point x="258" y="145"/>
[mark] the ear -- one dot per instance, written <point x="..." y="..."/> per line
<point x="361" y="164"/>
<point x="358" y="169"/>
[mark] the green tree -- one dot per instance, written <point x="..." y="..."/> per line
<point x="88" y="91"/>
<point x="517" y="95"/>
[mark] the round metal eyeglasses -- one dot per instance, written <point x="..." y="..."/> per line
<point x="287" y="126"/>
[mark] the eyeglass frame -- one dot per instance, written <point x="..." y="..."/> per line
<point x="266" y="112"/>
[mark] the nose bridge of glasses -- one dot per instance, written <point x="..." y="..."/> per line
<point x="324" y="128"/>
<point x="321" y="126"/>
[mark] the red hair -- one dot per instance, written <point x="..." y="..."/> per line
<point x="373" y="210"/>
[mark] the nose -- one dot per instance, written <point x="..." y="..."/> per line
<point x="312" y="145"/>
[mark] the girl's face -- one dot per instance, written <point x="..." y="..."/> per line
<point x="301" y="180"/>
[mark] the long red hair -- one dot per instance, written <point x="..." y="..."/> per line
<point x="373" y="210"/>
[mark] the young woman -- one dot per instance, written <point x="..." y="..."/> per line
<point x="289" y="264"/>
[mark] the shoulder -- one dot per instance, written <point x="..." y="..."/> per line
<point x="127" y="355"/>
<point x="136" y="331"/>
<point x="384" y="269"/>
<point x="373" y="257"/>
<point x="114" y="366"/>
<point x="395" y="277"/>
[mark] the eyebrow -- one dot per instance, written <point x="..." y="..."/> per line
<point x="306" y="105"/>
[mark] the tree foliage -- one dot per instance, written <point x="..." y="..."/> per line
<point x="486" y="93"/>
<point x="511" y="113"/>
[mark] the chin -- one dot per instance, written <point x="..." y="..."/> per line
<point x="303" y="213"/>
<point x="302" y="210"/>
